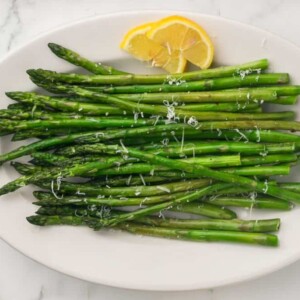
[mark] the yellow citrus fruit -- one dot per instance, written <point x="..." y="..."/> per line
<point x="140" y="46"/>
<point x="186" y="36"/>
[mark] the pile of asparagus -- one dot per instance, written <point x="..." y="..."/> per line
<point x="160" y="155"/>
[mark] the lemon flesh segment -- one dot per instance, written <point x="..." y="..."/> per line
<point x="141" y="47"/>
<point x="170" y="36"/>
<point x="172" y="62"/>
<point x="178" y="33"/>
<point x="137" y="44"/>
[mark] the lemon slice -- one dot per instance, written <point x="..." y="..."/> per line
<point x="141" y="47"/>
<point x="181" y="34"/>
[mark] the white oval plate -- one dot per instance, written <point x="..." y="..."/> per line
<point x="120" y="259"/>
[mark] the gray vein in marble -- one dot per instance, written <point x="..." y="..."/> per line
<point x="14" y="13"/>
<point x="8" y="16"/>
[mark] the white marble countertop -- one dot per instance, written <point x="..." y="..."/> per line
<point x="20" y="21"/>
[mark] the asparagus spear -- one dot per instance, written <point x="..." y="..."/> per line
<point x="193" y="235"/>
<point x="264" y="170"/>
<point x="16" y="114"/>
<point x="287" y="100"/>
<point x="238" y="96"/>
<point x="204" y="85"/>
<point x="140" y="168"/>
<point x="180" y="86"/>
<point x="193" y="148"/>
<point x="205" y="235"/>
<point x="60" y="161"/>
<point x="267" y="225"/>
<point x="48" y="199"/>
<point x="160" y="134"/>
<point x="77" y="60"/>
<point x="203" y="209"/>
<point x="65" y="104"/>
<point x="251" y="67"/>
<point x="189" y="148"/>
<point x="87" y="123"/>
<point x="43" y="134"/>
<point x="83" y="122"/>
<point x="257" y="202"/>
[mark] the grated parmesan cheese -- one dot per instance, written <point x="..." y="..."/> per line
<point x="163" y="188"/>
<point x="53" y="191"/>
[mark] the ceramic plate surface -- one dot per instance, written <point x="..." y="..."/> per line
<point x="120" y="259"/>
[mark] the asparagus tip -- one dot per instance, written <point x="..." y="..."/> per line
<point x="37" y="220"/>
<point x="55" y="48"/>
<point x="10" y="94"/>
<point x="31" y="72"/>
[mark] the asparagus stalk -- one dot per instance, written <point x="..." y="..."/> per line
<point x="238" y="96"/>
<point x="64" y="104"/>
<point x="93" y="123"/>
<point x="203" y="209"/>
<point x="257" y="202"/>
<point x="83" y="122"/>
<point x="293" y="186"/>
<point x="186" y="234"/>
<point x="48" y="199"/>
<point x="43" y="134"/>
<point x="67" y="105"/>
<point x="287" y="100"/>
<point x="77" y="60"/>
<point x="267" y="225"/>
<point x="20" y="106"/>
<point x="251" y="67"/>
<point x="207" y="210"/>
<point x="203" y="235"/>
<point x="195" y="148"/>
<point x="203" y="85"/>
<point x="140" y="168"/>
<point x="181" y="86"/>
<point x="268" y="159"/>
<point x="60" y="161"/>
<point x="18" y="114"/>
<point x="158" y="135"/>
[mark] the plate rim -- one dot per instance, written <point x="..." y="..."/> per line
<point x="262" y="272"/>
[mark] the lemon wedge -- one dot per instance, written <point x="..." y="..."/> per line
<point x="187" y="37"/>
<point x="141" y="47"/>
